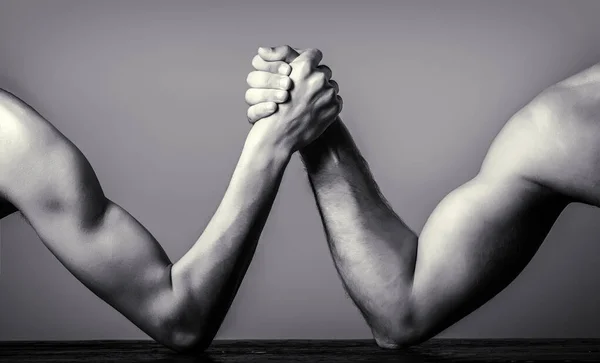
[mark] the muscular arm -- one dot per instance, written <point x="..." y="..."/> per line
<point x="180" y="305"/>
<point x="480" y="236"/>
<point x="478" y="239"/>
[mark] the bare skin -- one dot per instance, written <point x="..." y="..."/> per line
<point x="181" y="305"/>
<point x="479" y="238"/>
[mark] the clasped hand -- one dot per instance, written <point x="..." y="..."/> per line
<point x="292" y="97"/>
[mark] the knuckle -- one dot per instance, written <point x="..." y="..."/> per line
<point x="281" y="68"/>
<point x="330" y="93"/>
<point x="284" y="82"/>
<point x="249" y="95"/>
<point x="255" y="79"/>
<point x="262" y="108"/>
<point x="266" y="108"/>
<point x="304" y="66"/>
<point x="280" y="51"/>
<point x="317" y="80"/>
<point x="314" y="51"/>
<point x="273" y="81"/>
<point x="281" y="95"/>
<point x="249" y="78"/>
<point x="256" y="61"/>
<point x="335" y="85"/>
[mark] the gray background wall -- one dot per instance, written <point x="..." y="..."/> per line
<point x="152" y="93"/>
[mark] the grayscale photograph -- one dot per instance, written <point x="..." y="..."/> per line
<point x="299" y="181"/>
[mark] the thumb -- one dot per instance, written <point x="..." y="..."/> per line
<point x="312" y="56"/>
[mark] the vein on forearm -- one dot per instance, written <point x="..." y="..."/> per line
<point x="374" y="251"/>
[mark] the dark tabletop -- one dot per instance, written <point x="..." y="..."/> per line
<point x="435" y="350"/>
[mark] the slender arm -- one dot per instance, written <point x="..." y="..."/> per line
<point x="180" y="305"/>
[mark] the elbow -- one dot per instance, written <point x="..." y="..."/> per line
<point x="179" y="322"/>
<point x="186" y="342"/>
<point x="398" y="338"/>
<point x="394" y="333"/>
<point x="182" y="335"/>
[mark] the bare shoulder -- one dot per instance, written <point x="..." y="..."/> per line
<point x="22" y="130"/>
<point x="38" y="164"/>
<point x="555" y="139"/>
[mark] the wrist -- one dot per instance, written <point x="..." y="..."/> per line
<point x="263" y="145"/>
<point x="327" y="147"/>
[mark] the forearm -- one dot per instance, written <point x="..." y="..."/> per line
<point x="209" y="275"/>
<point x="189" y="300"/>
<point x="373" y="250"/>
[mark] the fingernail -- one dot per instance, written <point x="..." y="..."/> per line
<point x="271" y="107"/>
<point x="284" y="69"/>
<point x="282" y="95"/>
<point x="284" y="83"/>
